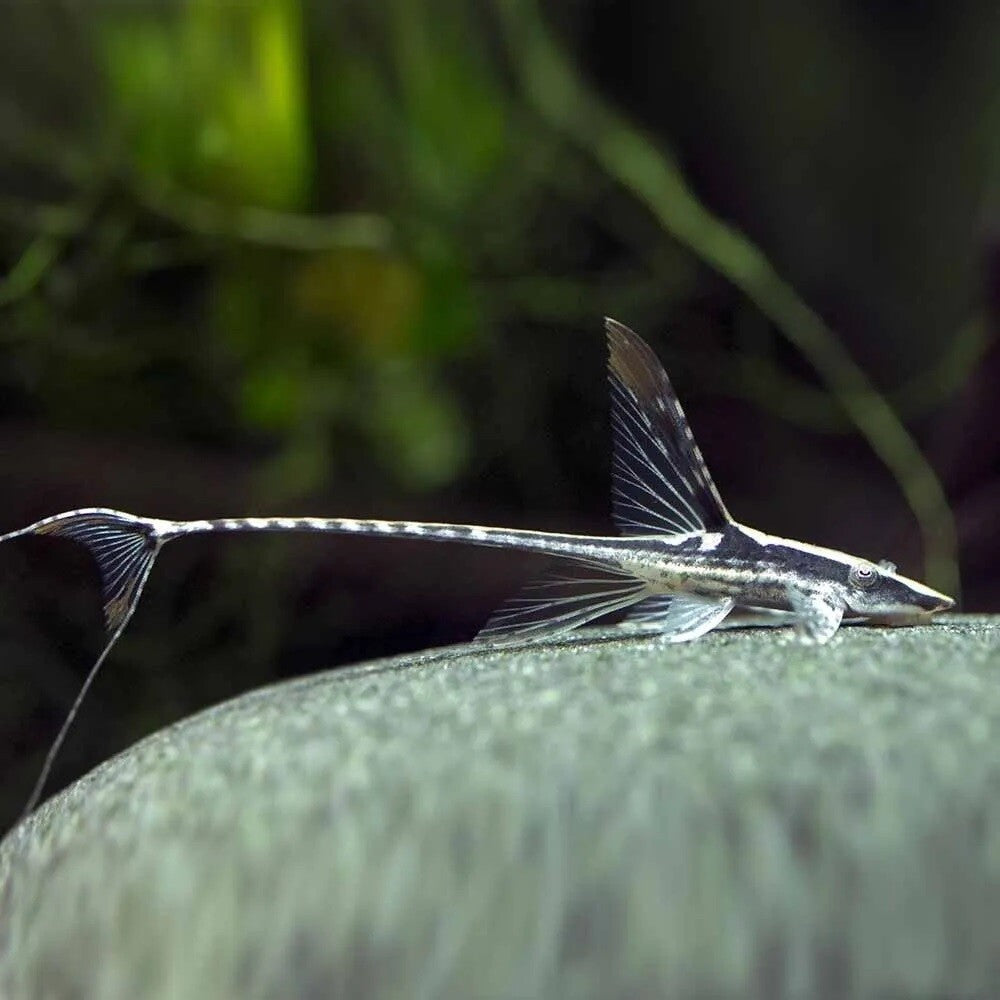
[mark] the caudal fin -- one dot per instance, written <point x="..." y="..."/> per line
<point x="124" y="547"/>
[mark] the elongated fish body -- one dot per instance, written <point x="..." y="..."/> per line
<point x="679" y="567"/>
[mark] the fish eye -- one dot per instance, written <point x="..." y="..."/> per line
<point x="889" y="567"/>
<point x="862" y="575"/>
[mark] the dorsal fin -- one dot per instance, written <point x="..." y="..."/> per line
<point x="661" y="484"/>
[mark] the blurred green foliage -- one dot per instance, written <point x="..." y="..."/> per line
<point x="351" y="257"/>
<point x="212" y="101"/>
<point x="281" y="223"/>
<point x="213" y="97"/>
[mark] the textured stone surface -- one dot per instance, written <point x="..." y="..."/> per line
<point x="741" y="816"/>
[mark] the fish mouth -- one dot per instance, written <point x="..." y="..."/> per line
<point x="926" y="602"/>
<point x="919" y="604"/>
<point x="912" y="616"/>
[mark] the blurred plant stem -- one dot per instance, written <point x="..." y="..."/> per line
<point x="58" y="225"/>
<point x="22" y="279"/>
<point x="53" y="220"/>
<point x="263" y="226"/>
<point x="560" y="300"/>
<point x="557" y="93"/>
<point x="793" y="400"/>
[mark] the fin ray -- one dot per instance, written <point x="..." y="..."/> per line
<point x="819" y="611"/>
<point x="123" y="547"/>
<point x="562" y="599"/>
<point x="679" y="618"/>
<point x="661" y="484"/>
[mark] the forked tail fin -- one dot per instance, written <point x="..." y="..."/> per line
<point x="124" y="548"/>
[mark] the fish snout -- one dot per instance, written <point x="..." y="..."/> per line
<point x="913" y="602"/>
<point x="931" y="601"/>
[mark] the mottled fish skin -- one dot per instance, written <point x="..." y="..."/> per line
<point x="757" y="570"/>
<point x="680" y="566"/>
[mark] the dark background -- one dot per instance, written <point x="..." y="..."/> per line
<point x="347" y="258"/>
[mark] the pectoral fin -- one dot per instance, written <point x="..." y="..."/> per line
<point x="819" y="612"/>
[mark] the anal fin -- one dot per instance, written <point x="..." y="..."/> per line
<point x="562" y="599"/>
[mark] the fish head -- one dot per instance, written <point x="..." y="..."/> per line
<point x="877" y="593"/>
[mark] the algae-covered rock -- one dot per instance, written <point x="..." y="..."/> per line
<point x="599" y="817"/>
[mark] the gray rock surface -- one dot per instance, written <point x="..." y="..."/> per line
<point x="603" y="817"/>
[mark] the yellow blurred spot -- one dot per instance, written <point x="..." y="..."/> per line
<point x="375" y="297"/>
